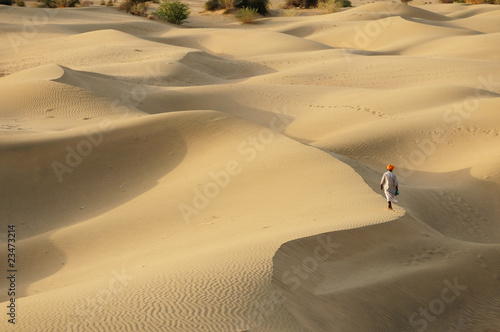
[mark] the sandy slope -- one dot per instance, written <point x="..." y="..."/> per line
<point x="153" y="172"/>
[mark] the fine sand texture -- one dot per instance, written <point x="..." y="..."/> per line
<point x="225" y="177"/>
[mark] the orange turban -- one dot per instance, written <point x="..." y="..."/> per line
<point x="390" y="167"/>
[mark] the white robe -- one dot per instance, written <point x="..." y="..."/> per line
<point x="389" y="182"/>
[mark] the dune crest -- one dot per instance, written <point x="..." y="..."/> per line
<point x="226" y="178"/>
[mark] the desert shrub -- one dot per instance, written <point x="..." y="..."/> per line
<point x="259" y="5"/>
<point x="213" y="5"/>
<point x="110" y="3"/>
<point x="329" y="6"/>
<point x="228" y="4"/>
<point x="139" y="9"/>
<point x="20" y="3"/>
<point x="344" y="3"/>
<point x="173" y="11"/>
<point x="247" y="15"/>
<point x="406" y="2"/>
<point x="103" y="3"/>
<point x="301" y="3"/>
<point x="125" y="6"/>
<point x="6" y="2"/>
<point x="134" y="7"/>
<point x="474" y="2"/>
<point x="86" y="3"/>
<point x="59" y="3"/>
<point x="446" y="1"/>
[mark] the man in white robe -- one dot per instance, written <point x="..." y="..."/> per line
<point x="389" y="184"/>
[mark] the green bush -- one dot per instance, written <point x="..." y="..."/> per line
<point x="259" y="5"/>
<point x="247" y="15"/>
<point x="134" y="7"/>
<point x="173" y="11"/>
<point x="60" y="3"/>
<point x="344" y="3"/>
<point x="213" y="5"/>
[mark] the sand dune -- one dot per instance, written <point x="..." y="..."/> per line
<point x="477" y="47"/>
<point x="461" y="11"/>
<point x="240" y="43"/>
<point x="226" y="178"/>
<point x="413" y="266"/>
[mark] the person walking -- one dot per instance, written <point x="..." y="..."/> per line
<point x="389" y="184"/>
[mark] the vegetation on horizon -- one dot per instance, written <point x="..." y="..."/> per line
<point x="329" y="6"/>
<point x="472" y="2"/>
<point x="260" y="5"/>
<point x="213" y="5"/>
<point x="322" y="4"/>
<point x="247" y="15"/>
<point x="478" y="2"/>
<point x="134" y="7"/>
<point x="175" y="12"/>
<point x="59" y="3"/>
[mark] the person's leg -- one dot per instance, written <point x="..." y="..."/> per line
<point x="389" y="205"/>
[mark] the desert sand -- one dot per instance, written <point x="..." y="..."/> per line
<point x="225" y="177"/>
